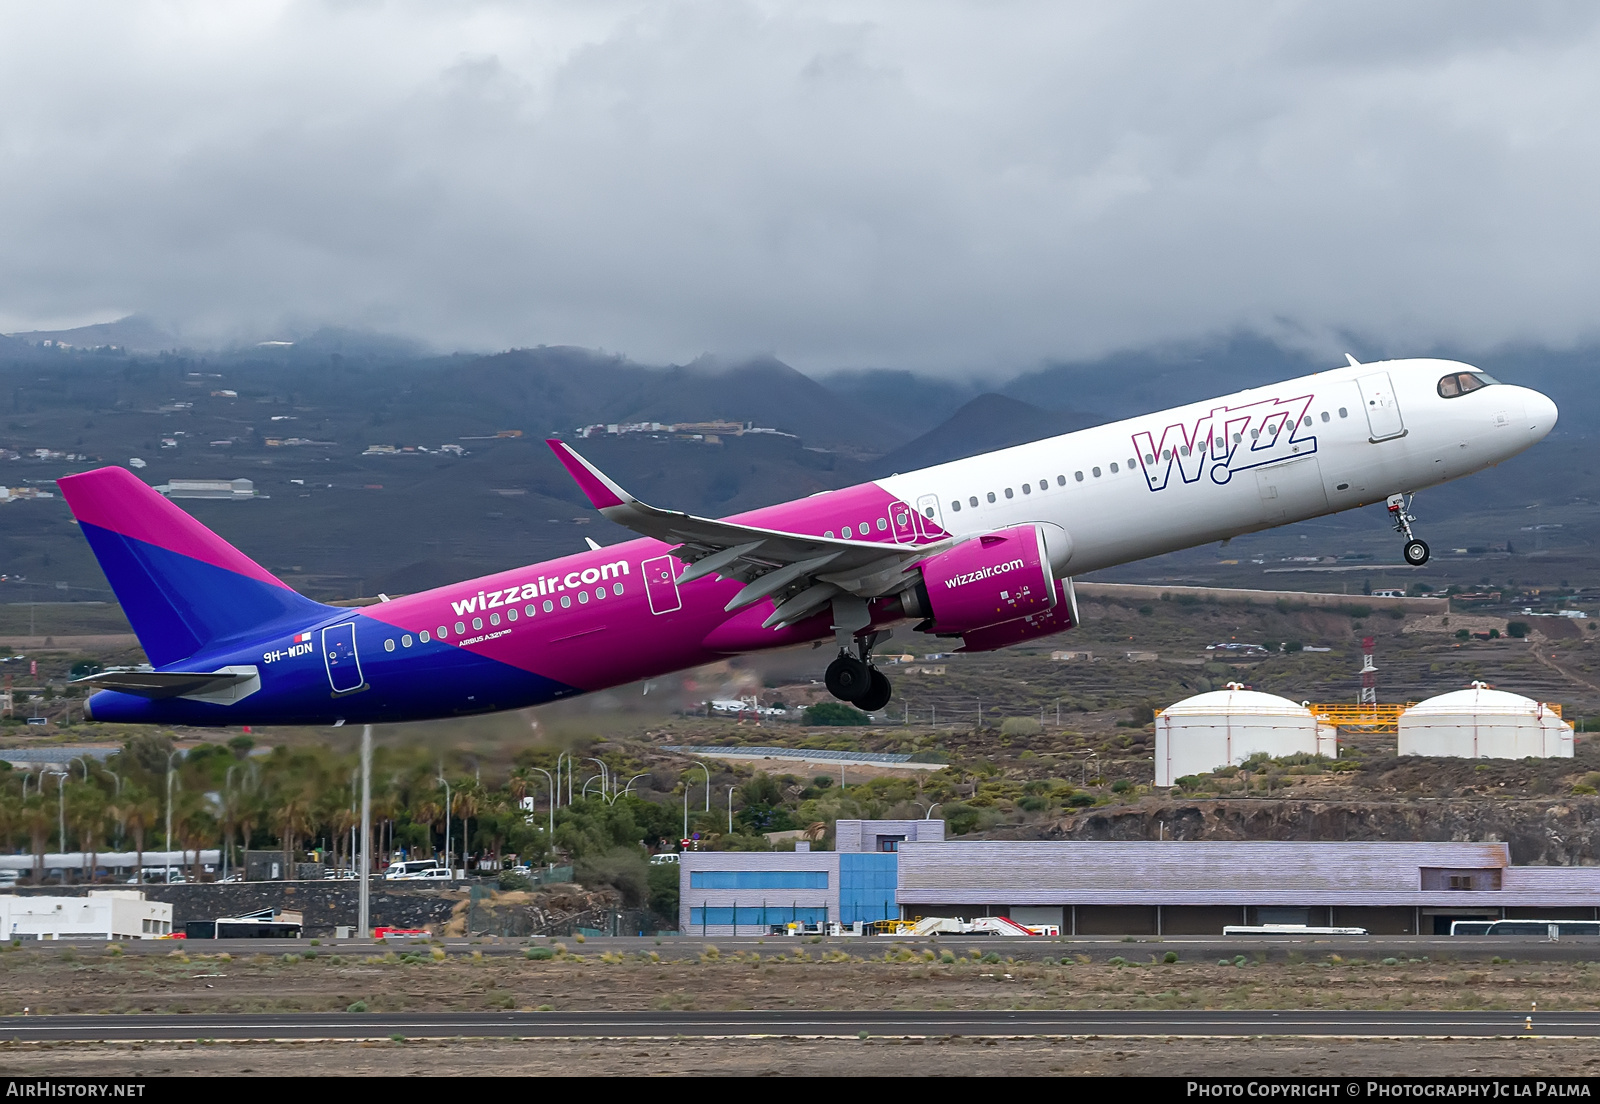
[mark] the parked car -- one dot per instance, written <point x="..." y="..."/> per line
<point x="666" y="858"/>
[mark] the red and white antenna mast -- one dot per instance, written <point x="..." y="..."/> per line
<point x="1369" y="674"/>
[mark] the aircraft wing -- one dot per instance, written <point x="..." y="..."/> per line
<point x="799" y="572"/>
<point x="147" y="683"/>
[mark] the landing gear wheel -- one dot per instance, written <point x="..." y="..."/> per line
<point x="848" y="678"/>
<point x="1416" y="552"/>
<point x="877" y="695"/>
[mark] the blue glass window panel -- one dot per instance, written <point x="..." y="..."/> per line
<point x="758" y="879"/>
<point x="867" y="885"/>
<point x="756" y="916"/>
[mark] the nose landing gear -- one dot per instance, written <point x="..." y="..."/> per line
<point x="1416" y="550"/>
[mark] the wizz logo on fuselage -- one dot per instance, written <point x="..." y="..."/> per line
<point x="1226" y="440"/>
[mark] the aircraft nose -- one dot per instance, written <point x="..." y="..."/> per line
<point x="1541" y="414"/>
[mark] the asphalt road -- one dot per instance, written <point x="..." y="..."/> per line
<point x="536" y="1025"/>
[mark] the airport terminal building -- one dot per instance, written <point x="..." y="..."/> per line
<point x="906" y="869"/>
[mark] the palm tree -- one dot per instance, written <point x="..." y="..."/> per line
<point x="431" y="812"/>
<point x="465" y="801"/>
<point x="38" y="818"/>
<point x="87" y="812"/>
<point x="194" y="825"/>
<point x="292" y="818"/>
<point x="138" y="810"/>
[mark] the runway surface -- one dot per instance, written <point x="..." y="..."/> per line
<point x="536" y="1025"/>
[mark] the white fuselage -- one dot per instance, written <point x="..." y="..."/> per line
<point x="1255" y="459"/>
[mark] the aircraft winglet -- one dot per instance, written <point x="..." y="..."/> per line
<point x="601" y="491"/>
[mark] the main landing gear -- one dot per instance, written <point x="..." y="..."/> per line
<point x="1416" y="550"/>
<point x="854" y="679"/>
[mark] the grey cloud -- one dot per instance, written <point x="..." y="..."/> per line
<point x="949" y="187"/>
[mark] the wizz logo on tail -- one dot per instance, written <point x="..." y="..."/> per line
<point x="1226" y="440"/>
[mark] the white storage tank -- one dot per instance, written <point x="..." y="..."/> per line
<point x="1481" y="723"/>
<point x="1226" y="727"/>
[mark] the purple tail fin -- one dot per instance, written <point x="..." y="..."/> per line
<point x="182" y="587"/>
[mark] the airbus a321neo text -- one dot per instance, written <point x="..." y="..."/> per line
<point x="981" y="550"/>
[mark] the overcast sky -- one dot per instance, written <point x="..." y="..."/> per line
<point x="945" y="187"/>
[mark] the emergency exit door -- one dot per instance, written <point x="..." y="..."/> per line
<point x="1383" y="409"/>
<point x="661" y="584"/>
<point x="339" y="655"/>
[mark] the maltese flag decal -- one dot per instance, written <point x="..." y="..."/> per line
<point x="302" y="638"/>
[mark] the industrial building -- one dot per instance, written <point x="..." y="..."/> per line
<point x="103" y="914"/>
<point x="751" y="892"/>
<point x="1480" y="723"/>
<point x="907" y="869"/>
<point x="1225" y="727"/>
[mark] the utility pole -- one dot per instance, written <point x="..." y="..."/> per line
<point x="170" y="756"/>
<point x="364" y="913"/>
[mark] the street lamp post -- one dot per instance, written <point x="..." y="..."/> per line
<point x="364" y="913"/>
<point x="605" y="777"/>
<point x="61" y="813"/>
<point x="441" y="780"/>
<point x="931" y="808"/>
<point x="619" y="796"/>
<point x="171" y="755"/>
<point x="552" y="783"/>
<point x="707" y="769"/>
<point x="730" y="810"/>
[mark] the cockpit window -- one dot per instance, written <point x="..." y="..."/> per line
<point x="1460" y="383"/>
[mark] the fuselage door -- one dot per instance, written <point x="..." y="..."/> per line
<point x="661" y="584"/>
<point x="1383" y="409"/>
<point x="928" y="516"/>
<point x="339" y="655"/>
<point x="901" y="523"/>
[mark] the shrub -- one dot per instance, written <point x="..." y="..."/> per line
<point x="1121" y="785"/>
<point x="835" y="714"/>
<point x="1080" y="799"/>
<point x="1516" y="629"/>
<point x="1463" y="634"/>
<point x="1190" y="782"/>
<point x="1033" y="804"/>
<point x="1019" y="726"/>
<point x="1170" y="957"/>
<point x="510" y="881"/>
<point x="538" y="954"/>
<point x="623" y="868"/>
<point x="358" y="1006"/>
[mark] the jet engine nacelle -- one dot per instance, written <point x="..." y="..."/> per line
<point x="1060" y="618"/>
<point x="988" y="580"/>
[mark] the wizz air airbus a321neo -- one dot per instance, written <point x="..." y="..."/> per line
<point x="981" y="549"/>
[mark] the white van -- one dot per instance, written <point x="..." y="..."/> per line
<point x="666" y="858"/>
<point x="416" y="870"/>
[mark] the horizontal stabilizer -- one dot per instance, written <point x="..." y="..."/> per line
<point x="145" y="683"/>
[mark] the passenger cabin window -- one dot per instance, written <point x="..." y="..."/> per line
<point x="1027" y="488"/>
<point x="955" y="506"/>
<point x="1325" y="416"/>
<point x="1009" y="494"/>
<point x="972" y="500"/>
<point x="1459" y="383"/>
<point x="1061" y="481"/>
<point x="1343" y="413"/>
<point x="991" y="496"/>
<point x="1044" y="484"/>
<point x="1114" y="468"/>
<point x="1078" y="476"/>
<point x="1095" y="472"/>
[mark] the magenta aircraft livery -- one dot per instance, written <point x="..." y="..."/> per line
<point x="981" y="549"/>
